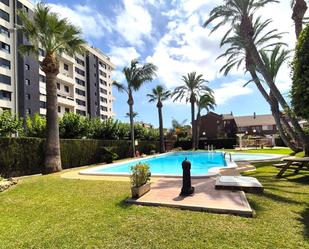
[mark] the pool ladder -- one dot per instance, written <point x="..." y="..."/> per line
<point x="228" y="153"/>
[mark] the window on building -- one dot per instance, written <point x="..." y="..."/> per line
<point x="28" y="96"/>
<point x="66" y="67"/>
<point x="28" y="111"/>
<point x="43" y="105"/>
<point x="42" y="78"/>
<point x="104" y="117"/>
<point x="103" y="108"/>
<point x="58" y="86"/>
<point x="267" y="127"/>
<point x="67" y="110"/>
<point x="79" y="71"/>
<point x="27" y="82"/>
<point x="104" y="100"/>
<point x="6" y="2"/>
<point x="103" y="91"/>
<point x="66" y="89"/>
<point x="27" y="67"/>
<point x="5" y="63"/>
<point x="80" y="82"/>
<point x="59" y="108"/>
<point x="42" y="52"/>
<point x="4" y="31"/>
<point x="103" y="82"/>
<point x="80" y="102"/>
<point x="80" y="112"/>
<point x="80" y="92"/>
<point x="5" y="79"/>
<point x="4" y="15"/>
<point x="5" y="95"/>
<point x="79" y="61"/>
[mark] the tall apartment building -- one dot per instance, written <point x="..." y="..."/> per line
<point x="84" y="82"/>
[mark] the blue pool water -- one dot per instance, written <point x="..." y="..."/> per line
<point x="170" y="164"/>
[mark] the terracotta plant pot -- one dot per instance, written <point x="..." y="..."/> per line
<point x="137" y="192"/>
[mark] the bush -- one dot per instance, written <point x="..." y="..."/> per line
<point x="73" y="126"/>
<point x="9" y="124"/>
<point x="35" y="126"/>
<point x="140" y="174"/>
<point x="24" y="156"/>
<point x="300" y="72"/>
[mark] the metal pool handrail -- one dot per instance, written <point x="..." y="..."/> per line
<point x="225" y="153"/>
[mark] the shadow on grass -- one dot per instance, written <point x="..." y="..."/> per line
<point x="281" y="198"/>
<point x="305" y="220"/>
<point x="304" y="179"/>
<point x="123" y="204"/>
<point x="255" y="205"/>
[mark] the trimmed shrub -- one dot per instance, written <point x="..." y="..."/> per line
<point x="24" y="156"/>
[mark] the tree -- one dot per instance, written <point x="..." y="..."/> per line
<point x="35" y="126"/>
<point x="299" y="8"/>
<point x="9" y="124"/>
<point x="45" y="30"/>
<point x="207" y="102"/>
<point x="135" y="76"/>
<point x="135" y="114"/>
<point x="300" y="76"/>
<point x="159" y="94"/>
<point x="237" y="55"/>
<point x="242" y="12"/>
<point x="193" y="87"/>
<point x="73" y="126"/>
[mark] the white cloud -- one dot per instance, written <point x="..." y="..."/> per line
<point x="228" y="91"/>
<point x="121" y="56"/>
<point x="134" y="22"/>
<point x="92" y="23"/>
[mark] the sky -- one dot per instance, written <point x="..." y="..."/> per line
<point x="170" y="35"/>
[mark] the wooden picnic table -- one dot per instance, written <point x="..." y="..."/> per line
<point x="296" y="163"/>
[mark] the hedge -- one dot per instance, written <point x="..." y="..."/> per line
<point x="220" y="143"/>
<point x="24" y="156"/>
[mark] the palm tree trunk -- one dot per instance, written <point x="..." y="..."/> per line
<point x="299" y="10"/>
<point x="52" y="160"/>
<point x="162" y="145"/>
<point x="274" y="108"/>
<point x="131" y="103"/>
<point x="193" y="124"/>
<point x="262" y="68"/>
<point x="198" y="125"/>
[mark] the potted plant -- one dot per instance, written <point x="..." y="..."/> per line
<point x="140" y="177"/>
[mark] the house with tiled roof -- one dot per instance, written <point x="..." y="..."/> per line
<point x="214" y="125"/>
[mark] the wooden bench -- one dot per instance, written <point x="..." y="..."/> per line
<point x="293" y="163"/>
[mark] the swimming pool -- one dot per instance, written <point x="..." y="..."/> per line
<point x="169" y="164"/>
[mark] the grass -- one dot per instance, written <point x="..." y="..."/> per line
<point x="281" y="150"/>
<point x="51" y="212"/>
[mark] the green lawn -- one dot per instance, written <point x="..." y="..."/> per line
<point x="50" y="212"/>
<point x="283" y="151"/>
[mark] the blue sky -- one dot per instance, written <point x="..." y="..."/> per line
<point x="169" y="34"/>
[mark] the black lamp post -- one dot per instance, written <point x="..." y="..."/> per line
<point x="186" y="189"/>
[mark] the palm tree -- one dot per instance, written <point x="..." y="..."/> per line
<point x="237" y="55"/>
<point x="207" y="102"/>
<point x="135" y="76"/>
<point x="159" y="94"/>
<point x="135" y="114"/>
<point x="194" y="86"/>
<point x="299" y="8"/>
<point x="45" y="30"/>
<point x="241" y="12"/>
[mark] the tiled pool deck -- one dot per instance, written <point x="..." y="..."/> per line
<point x="165" y="192"/>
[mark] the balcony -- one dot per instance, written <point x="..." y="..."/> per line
<point x="68" y="58"/>
<point x="66" y="78"/>
<point x="66" y="100"/>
